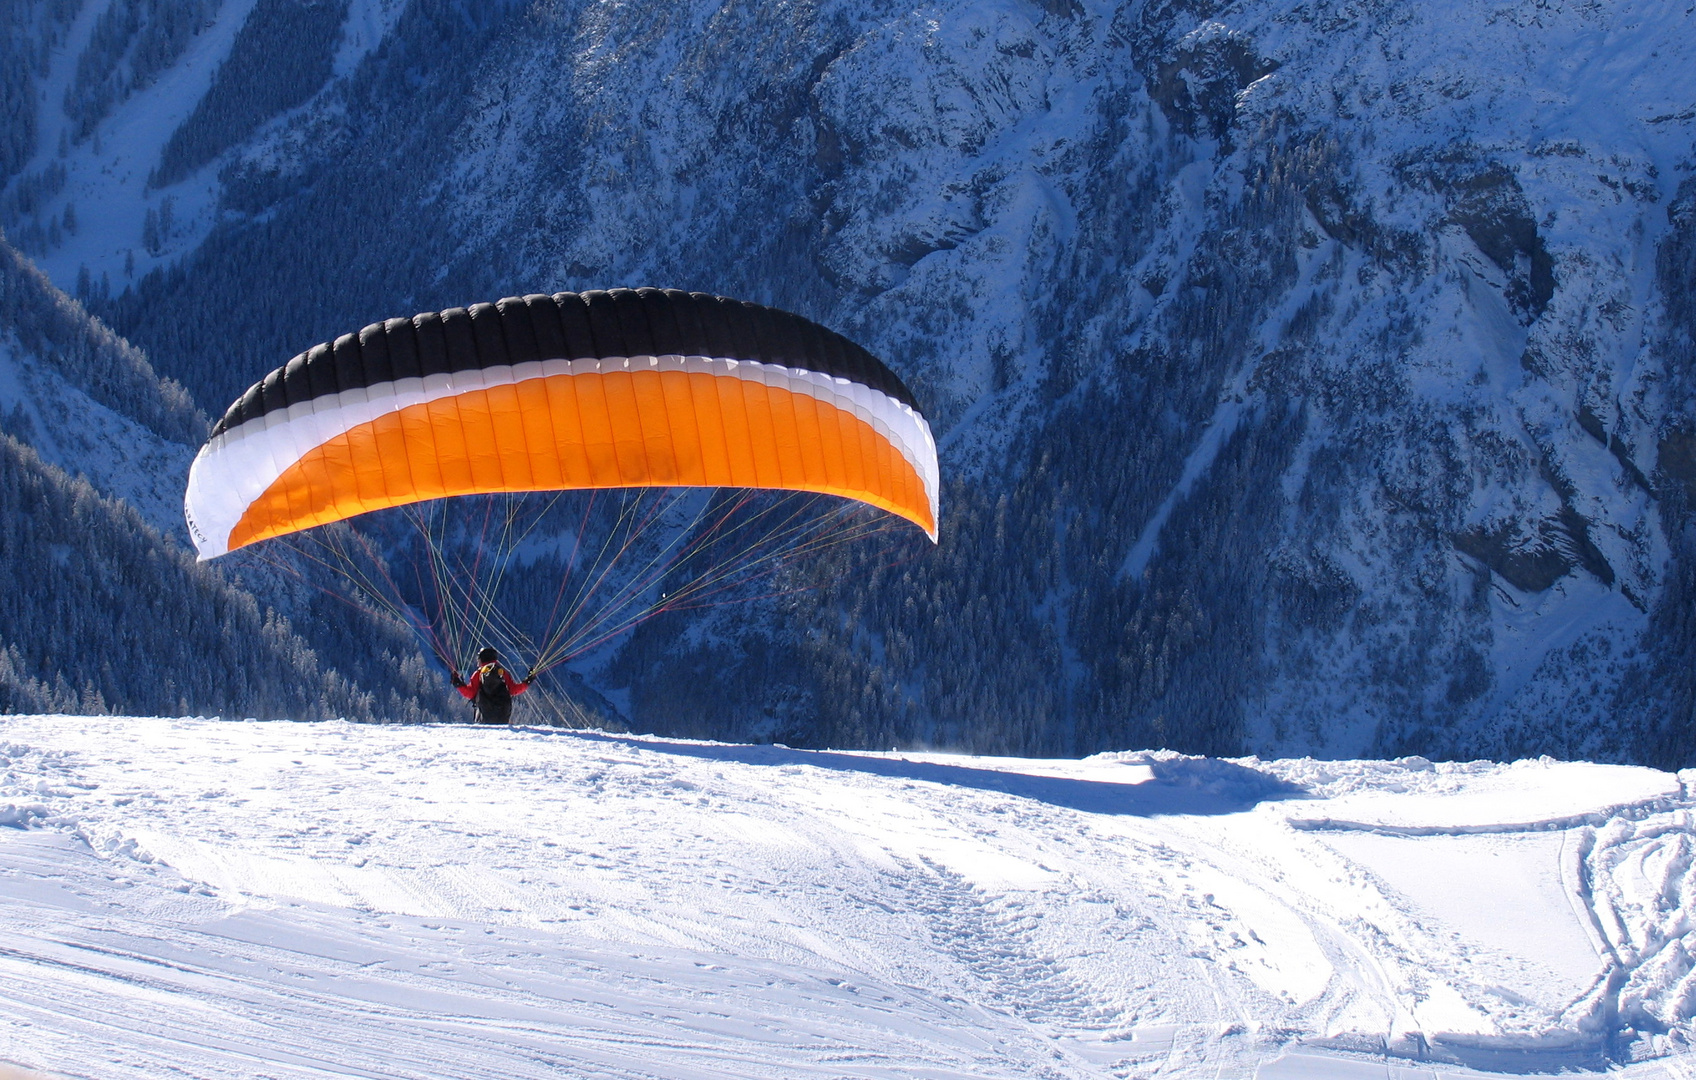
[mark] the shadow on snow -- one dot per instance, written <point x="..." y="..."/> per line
<point x="1198" y="786"/>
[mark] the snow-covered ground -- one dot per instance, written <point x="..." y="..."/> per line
<point x="235" y="899"/>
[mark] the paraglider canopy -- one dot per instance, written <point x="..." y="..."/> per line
<point x="625" y="388"/>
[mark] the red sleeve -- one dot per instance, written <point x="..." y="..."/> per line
<point x="513" y="686"/>
<point x="469" y="690"/>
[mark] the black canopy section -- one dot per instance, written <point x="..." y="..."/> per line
<point x="565" y="326"/>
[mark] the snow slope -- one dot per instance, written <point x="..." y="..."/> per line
<point x="304" y="899"/>
<point x="107" y="175"/>
<point x="117" y="454"/>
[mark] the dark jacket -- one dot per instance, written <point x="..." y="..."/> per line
<point x="485" y="708"/>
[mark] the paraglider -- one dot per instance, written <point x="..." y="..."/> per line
<point x="625" y="389"/>
<point x="491" y="687"/>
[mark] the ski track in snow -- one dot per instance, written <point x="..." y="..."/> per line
<point x="233" y="899"/>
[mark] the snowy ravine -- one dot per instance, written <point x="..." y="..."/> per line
<point x="232" y="899"/>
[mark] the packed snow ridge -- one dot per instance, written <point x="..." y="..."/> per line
<point x="231" y="899"/>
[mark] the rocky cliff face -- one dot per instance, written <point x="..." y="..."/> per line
<point x="1310" y="377"/>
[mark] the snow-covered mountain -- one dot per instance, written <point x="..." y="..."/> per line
<point x="1311" y="377"/>
<point x="227" y="899"/>
<point x="102" y="605"/>
<point x="88" y="402"/>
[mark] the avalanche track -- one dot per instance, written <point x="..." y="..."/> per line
<point x="236" y="899"/>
